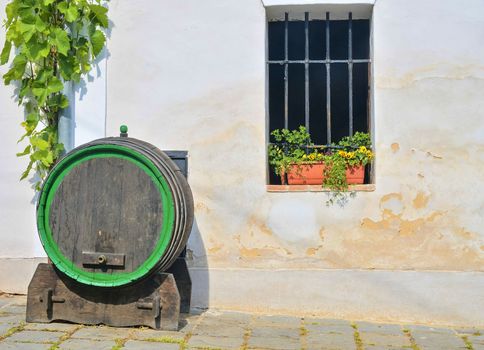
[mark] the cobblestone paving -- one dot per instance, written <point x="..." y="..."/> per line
<point x="212" y="330"/>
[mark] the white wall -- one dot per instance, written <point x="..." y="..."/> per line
<point x="196" y="81"/>
<point x="17" y="218"/>
<point x="192" y="77"/>
<point x="19" y="244"/>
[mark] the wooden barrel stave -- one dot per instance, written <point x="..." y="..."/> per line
<point x="182" y="190"/>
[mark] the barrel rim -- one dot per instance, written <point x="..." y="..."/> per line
<point x="49" y="188"/>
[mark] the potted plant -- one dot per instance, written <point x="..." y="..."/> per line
<point x="289" y="150"/>
<point x="345" y="162"/>
<point x="293" y="155"/>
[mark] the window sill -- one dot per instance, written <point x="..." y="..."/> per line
<point x="316" y="188"/>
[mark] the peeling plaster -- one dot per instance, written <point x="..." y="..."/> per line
<point x="421" y="200"/>
<point x="428" y="109"/>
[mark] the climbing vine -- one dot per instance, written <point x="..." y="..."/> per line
<point x="53" y="42"/>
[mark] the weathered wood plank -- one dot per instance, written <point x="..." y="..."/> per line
<point x="116" y="209"/>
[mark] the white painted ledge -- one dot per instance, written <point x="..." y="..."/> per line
<point x="16" y="273"/>
<point x="423" y="297"/>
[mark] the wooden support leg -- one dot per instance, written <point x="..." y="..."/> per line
<point x="154" y="302"/>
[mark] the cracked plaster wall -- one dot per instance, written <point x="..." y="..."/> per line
<point x="190" y="75"/>
<point x="194" y="79"/>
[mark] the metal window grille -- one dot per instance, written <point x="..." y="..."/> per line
<point x="327" y="62"/>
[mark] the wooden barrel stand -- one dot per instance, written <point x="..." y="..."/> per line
<point x="154" y="302"/>
<point x="114" y="217"/>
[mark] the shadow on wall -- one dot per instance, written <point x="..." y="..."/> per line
<point x="198" y="267"/>
<point x="194" y="254"/>
<point x="81" y="88"/>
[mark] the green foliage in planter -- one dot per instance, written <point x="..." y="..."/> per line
<point x="55" y="41"/>
<point x="354" y="151"/>
<point x="291" y="148"/>
<point x="287" y="150"/>
<point x="359" y="139"/>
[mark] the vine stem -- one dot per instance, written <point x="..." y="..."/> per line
<point x="32" y="70"/>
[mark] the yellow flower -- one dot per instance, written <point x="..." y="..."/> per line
<point x="351" y="155"/>
<point x="342" y="153"/>
<point x="362" y="149"/>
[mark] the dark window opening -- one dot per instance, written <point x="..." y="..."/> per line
<point x="318" y="73"/>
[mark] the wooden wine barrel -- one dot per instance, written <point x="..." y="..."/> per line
<point x="113" y="211"/>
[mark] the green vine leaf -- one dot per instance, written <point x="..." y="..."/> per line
<point x="72" y="14"/>
<point x="39" y="143"/>
<point x="5" y="55"/>
<point x="62" y="7"/>
<point x="10" y="10"/>
<point x="40" y="25"/>
<point x="61" y="41"/>
<point x="55" y="41"/>
<point x="18" y="69"/>
<point x="23" y="27"/>
<point x="30" y="124"/>
<point x="99" y="15"/>
<point x="37" y="49"/>
<point x="67" y="66"/>
<point x="97" y="41"/>
<point x="27" y="171"/>
<point x="55" y="85"/>
<point x="25" y="152"/>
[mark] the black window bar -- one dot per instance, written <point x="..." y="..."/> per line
<point x="327" y="61"/>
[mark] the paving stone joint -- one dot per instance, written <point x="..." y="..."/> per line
<point x="212" y="329"/>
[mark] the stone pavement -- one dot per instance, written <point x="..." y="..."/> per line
<point x="229" y="330"/>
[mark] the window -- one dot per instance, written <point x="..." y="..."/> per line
<point x="318" y="76"/>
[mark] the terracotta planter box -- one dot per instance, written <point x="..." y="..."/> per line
<point x="312" y="174"/>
